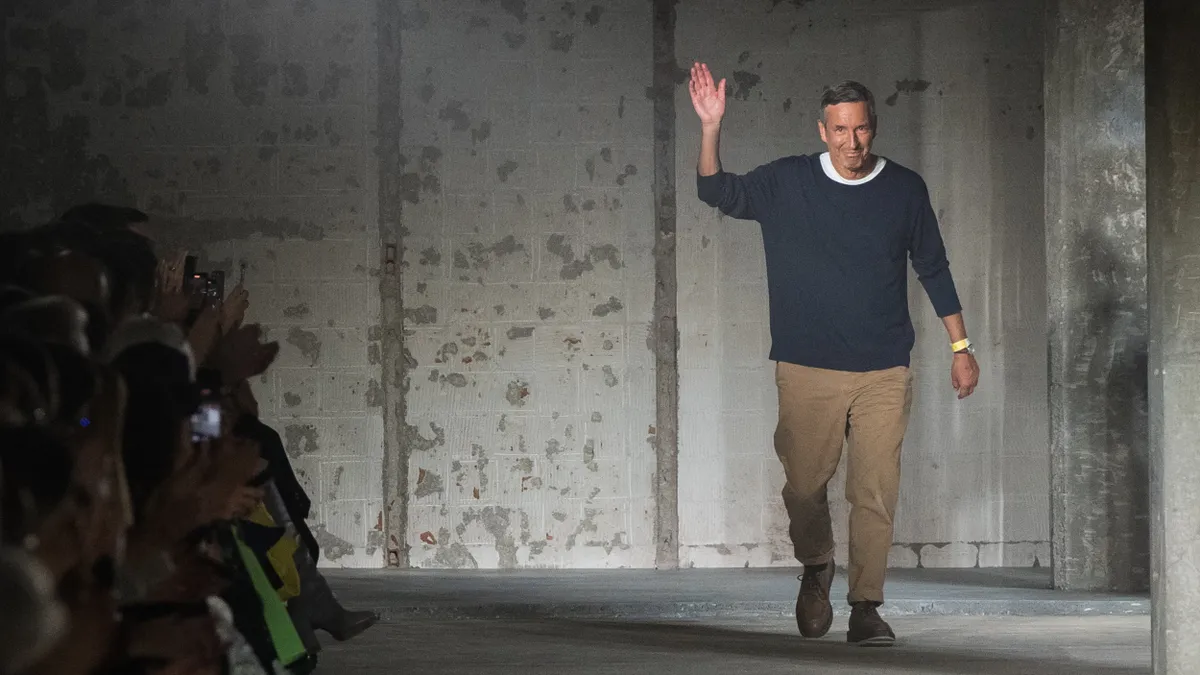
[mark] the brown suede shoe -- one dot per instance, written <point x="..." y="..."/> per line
<point x="814" y="612"/>
<point x="867" y="628"/>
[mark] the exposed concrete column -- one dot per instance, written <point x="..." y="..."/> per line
<point x="1173" y="220"/>
<point x="666" y="291"/>
<point x="1096" y="281"/>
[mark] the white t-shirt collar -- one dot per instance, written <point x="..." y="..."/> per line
<point x="827" y="165"/>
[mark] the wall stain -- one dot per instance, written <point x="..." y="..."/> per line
<point x="64" y="47"/>
<point x="297" y="311"/>
<point x="428" y="483"/>
<point x="518" y="332"/>
<point x="295" y="80"/>
<point x="907" y="87"/>
<point x="333" y="81"/>
<point x="430" y="257"/>
<point x="374" y="394"/>
<point x="545" y="313"/>
<point x="453" y="112"/>
<point x="410" y="437"/>
<point x="444" y="354"/>
<point x="561" y="42"/>
<point x="505" y="170"/>
<point x="613" y="305"/>
<point x="413" y="183"/>
<point x="300" y="439"/>
<point x="417" y="19"/>
<point x="481" y="256"/>
<point x="453" y="556"/>
<point x="744" y="82"/>
<point x="514" y="40"/>
<point x="332" y="547"/>
<point x="57" y="174"/>
<point x="482" y="132"/>
<point x="202" y="53"/>
<point x="610" y="378"/>
<point x="593" y="15"/>
<point x="516" y="8"/>
<point x="518" y="391"/>
<point x="456" y="380"/>
<point x="307" y="342"/>
<point x="251" y="76"/>
<point x="425" y="314"/>
<point x="291" y="400"/>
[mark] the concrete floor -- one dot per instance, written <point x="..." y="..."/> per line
<point x="701" y="622"/>
<point x="940" y="645"/>
<point x="703" y="594"/>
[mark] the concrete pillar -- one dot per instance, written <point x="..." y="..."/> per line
<point x="1096" y="279"/>
<point x="1173" y="223"/>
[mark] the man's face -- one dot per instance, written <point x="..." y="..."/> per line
<point x="847" y="133"/>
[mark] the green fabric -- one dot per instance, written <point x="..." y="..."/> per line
<point x="288" y="646"/>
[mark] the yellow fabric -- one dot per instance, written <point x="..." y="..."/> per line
<point x="281" y="555"/>
<point x="960" y="345"/>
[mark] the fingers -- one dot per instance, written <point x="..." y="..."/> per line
<point x="702" y="79"/>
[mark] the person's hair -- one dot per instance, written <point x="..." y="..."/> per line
<point x="127" y="256"/>
<point x="849" y="92"/>
<point x="104" y="215"/>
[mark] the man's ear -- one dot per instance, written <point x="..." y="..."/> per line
<point x="821" y="130"/>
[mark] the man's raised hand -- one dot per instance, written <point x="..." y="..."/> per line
<point x="708" y="98"/>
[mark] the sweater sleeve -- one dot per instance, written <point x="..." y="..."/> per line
<point x="928" y="253"/>
<point x="743" y="196"/>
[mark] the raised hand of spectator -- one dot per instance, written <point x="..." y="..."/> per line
<point x="204" y="334"/>
<point x="242" y="354"/>
<point x="235" y="462"/>
<point x="171" y="302"/>
<point x="233" y="310"/>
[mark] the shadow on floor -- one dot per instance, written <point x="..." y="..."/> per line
<point x="695" y="639"/>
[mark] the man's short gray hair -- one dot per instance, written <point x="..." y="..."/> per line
<point x="849" y="92"/>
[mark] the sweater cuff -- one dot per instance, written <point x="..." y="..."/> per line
<point x="943" y="295"/>
<point x="710" y="188"/>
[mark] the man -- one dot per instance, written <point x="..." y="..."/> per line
<point x="837" y="227"/>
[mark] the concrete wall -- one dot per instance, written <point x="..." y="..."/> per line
<point x="1096" y="278"/>
<point x="959" y="89"/>
<point x="521" y="422"/>
<point x="246" y="129"/>
<point x="528" y="283"/>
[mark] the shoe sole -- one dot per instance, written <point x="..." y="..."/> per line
<point x="879" y="641"/>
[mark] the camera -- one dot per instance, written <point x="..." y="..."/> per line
<point x="204" y="289"/>
<point x="206" y="421"/>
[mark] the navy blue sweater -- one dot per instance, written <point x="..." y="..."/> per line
<point x="837" y="258"/>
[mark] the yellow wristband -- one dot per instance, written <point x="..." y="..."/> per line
<point x="960" y="345"/>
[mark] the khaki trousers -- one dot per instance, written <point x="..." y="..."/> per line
<point x="819" y="412"/>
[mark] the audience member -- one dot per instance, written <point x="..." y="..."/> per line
<point x="151" y="523"/>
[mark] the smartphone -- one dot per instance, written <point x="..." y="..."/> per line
<point x="206" y="421"/>
<point x="214" y="289"/>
